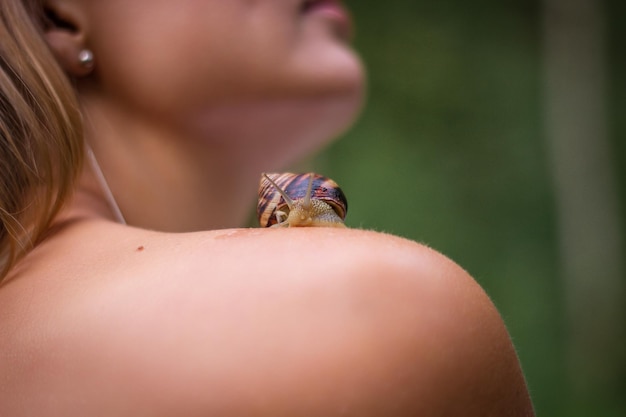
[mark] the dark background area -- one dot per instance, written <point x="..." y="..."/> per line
<point x="494" y="134"/>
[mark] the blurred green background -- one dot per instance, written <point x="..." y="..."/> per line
<point x="493" y="134"/>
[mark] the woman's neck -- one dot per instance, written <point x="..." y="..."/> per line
<point x="201" y="171"/>
<point x="161" y="180"/>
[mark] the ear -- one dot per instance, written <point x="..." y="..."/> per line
<point x="64" y="31"/>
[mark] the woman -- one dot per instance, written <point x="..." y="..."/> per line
<point x="183" y="105"/>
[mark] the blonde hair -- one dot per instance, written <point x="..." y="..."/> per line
<point x="41" y="143"/>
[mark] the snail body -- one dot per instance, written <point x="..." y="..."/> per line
<point x="300" y="200"/>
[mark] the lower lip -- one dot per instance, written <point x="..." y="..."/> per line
<point x="337" y="14"/>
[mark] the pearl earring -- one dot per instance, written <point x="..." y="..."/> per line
<point x="85" y="57"/>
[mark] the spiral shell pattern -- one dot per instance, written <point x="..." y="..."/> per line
<point x="295" y="186"/>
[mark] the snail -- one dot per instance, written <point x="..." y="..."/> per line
<point x="300" y="200"/>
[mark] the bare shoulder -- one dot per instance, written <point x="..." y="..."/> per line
<point x="263" y="322"/>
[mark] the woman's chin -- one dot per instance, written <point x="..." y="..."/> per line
<point x="328" y="69"/>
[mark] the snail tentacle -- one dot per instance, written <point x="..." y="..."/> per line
<point x="307" y="196"/>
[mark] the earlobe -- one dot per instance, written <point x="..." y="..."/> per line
<point x="76" y="60"/>
<point x="65" y="35"/>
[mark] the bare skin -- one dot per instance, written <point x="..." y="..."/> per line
<point x="99" y="320"/>
<point x="180" y="315"/>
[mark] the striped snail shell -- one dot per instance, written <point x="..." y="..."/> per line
<point x="300" y="200"/>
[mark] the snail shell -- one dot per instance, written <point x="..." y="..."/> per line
<point x="300" y="200"/>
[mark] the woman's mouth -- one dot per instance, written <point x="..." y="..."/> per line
<point x="331" y="10"/>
